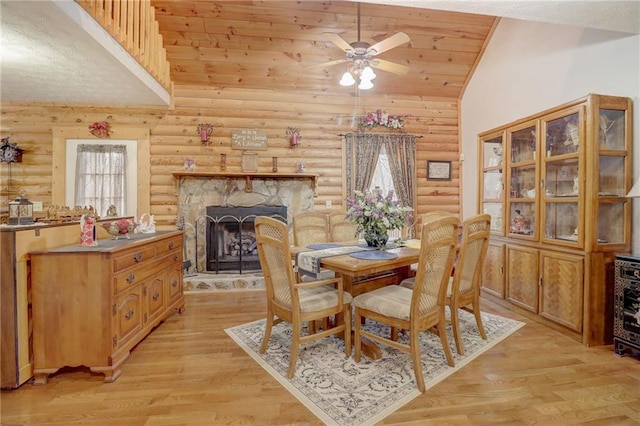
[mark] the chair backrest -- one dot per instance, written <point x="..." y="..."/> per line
<point x="430" y="216"/>
<point x="272" y="238"/>
<point x="437" y="251"/>
<point x="340" y="228"/>
<point x="310" y="228"/>
<point x="473" y="250"/>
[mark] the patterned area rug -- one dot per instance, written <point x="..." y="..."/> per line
<point x="341" y="391"/>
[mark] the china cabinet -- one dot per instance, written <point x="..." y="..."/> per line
<point x="555" y="185"/>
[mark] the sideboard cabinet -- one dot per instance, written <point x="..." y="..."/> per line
<point x="92" y="305"/>
<point x="555" y="185"/>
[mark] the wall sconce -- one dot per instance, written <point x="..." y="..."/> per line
<point x="294" y="136"/>
<point x="205" y="130"/>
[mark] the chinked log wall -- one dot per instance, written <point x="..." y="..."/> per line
<point x="173" y="137"/>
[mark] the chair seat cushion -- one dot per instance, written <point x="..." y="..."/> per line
<point x="325" y="274"/>
<point x="319" y="298"/>
<point x="408" y="282"/>
<point x="392" y="301"/>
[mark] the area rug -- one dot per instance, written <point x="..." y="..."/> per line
<point x="340" y="391"/>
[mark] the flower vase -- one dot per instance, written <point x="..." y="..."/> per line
<point x="375" y="238"/>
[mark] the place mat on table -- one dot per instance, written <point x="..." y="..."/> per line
<point x="308" y="262"/>
<point x="322" y="246"/>
<point x="374" y="255"/>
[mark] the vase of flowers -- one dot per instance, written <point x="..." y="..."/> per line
<point x="376" y="214"/>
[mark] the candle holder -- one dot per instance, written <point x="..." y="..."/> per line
<point x="274" y="160"/>
<point x="223" y="162"/>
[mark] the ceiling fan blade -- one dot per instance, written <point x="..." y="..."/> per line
<point x="338" y="41"/>
<point x="327" y="64"/>
<point x="389" y="43"/>
<point x="389" y="66"/>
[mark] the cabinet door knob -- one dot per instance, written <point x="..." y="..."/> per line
<point x="137" y="257"/>
<point x="131" y="278"/>
<point x="156" y="296"/>
<point x="174" y="283"/>
<point x="129" y="314"/>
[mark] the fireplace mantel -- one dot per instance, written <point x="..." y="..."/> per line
<point x="249" y="176"/>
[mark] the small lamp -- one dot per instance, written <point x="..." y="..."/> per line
<point x="20" y="211"/>
<point x="635" y="189"/>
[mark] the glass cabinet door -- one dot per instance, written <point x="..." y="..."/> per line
<point x="612" y="163"/>
<point x="562" y="177"/>
<point x="523" y="181"/>
<point x="492" y="185"/>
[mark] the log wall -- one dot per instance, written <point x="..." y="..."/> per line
<point x="173" y="136"/>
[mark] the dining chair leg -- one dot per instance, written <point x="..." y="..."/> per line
<point x="477" y="314"/>
<point x="267" y="332"/>
<point x="414" y="342"/>
<point x="442" y="332"/>
<point x="455" y="324"/>
<point x="347" y="330"/>
<point x="356" y="340"/>
<point x="295" y="343"/>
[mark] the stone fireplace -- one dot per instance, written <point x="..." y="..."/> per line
<point x="198" y="191"/>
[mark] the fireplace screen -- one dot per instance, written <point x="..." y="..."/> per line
<point x="231" y="239"/>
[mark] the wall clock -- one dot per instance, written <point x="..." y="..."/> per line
<point x="10" y="153"/>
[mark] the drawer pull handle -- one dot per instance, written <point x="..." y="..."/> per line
<point x="137" y="257"/>
<point x="156" y="296"/>
<point x="171" y="245"/>
<point x="131" y="278"/>
<point x="175" y="257"/>
<point x="129" y="314"/>
<point x="174" y="283"/>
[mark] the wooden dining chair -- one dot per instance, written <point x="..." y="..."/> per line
<point x="310" y="228"/>
<point x="464" y="286"/>
<point x="297" y="302"/>
<point x="418" y="309"/>
<point x="341" y="229"/>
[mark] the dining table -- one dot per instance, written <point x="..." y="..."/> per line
<point x="363" y="273"/>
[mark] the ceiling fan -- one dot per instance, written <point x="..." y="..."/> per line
<point x="362" y="57"/>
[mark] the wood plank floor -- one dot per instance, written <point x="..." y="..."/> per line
<point x="189" y="372"/>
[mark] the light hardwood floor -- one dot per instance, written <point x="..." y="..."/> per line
<point x="189" y="372"/>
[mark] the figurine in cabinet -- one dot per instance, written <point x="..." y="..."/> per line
<point x="519" y="223"/>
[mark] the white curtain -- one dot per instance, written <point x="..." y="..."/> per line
<point x="100" y="177"/>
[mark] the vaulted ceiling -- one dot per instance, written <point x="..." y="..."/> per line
<point x="269" y="44"/>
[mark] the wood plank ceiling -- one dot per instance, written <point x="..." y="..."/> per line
<point x="268" y="44"/>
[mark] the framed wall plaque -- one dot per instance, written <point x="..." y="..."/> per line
<point x="438" y="170"/>
<point x="249" y="161"/>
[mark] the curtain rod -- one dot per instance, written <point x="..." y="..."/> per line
<point x="408" y="134"/>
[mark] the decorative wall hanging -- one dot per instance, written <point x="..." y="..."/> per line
<point x="249" y="162"/>
<point x="382" y="119"/>
<point x="293" y="133"/>
<point x="100" y="129"/>
<point x="249" y="139"/>
<point x="205" y="130"/>
<point x="9" y="152"/>
<point x="438" y="170"/>
<point x="189" y="164"/>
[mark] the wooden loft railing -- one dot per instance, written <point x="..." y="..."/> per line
<point x="133" y="24"/>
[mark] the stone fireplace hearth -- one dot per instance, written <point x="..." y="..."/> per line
<point x="197" y="191"/>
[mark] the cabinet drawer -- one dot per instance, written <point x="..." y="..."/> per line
<point x="169" y="244"/>
<point x="133" y="257"/>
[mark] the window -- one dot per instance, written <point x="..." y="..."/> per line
<point x="382" y="175"/>
<point x="102" y="173"/>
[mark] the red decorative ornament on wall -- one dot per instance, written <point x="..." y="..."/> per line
<point x="100" y="129"/>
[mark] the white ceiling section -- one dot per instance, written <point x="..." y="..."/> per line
<point x="612" y="15"/>
<point x="52" y="51"/>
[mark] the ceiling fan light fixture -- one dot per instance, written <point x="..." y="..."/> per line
<point x="347" y="79"/>
<point x="367" y="73"/>
<point x="365" y="84"/>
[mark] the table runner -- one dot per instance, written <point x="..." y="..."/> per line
<point x="308" y="262"/>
